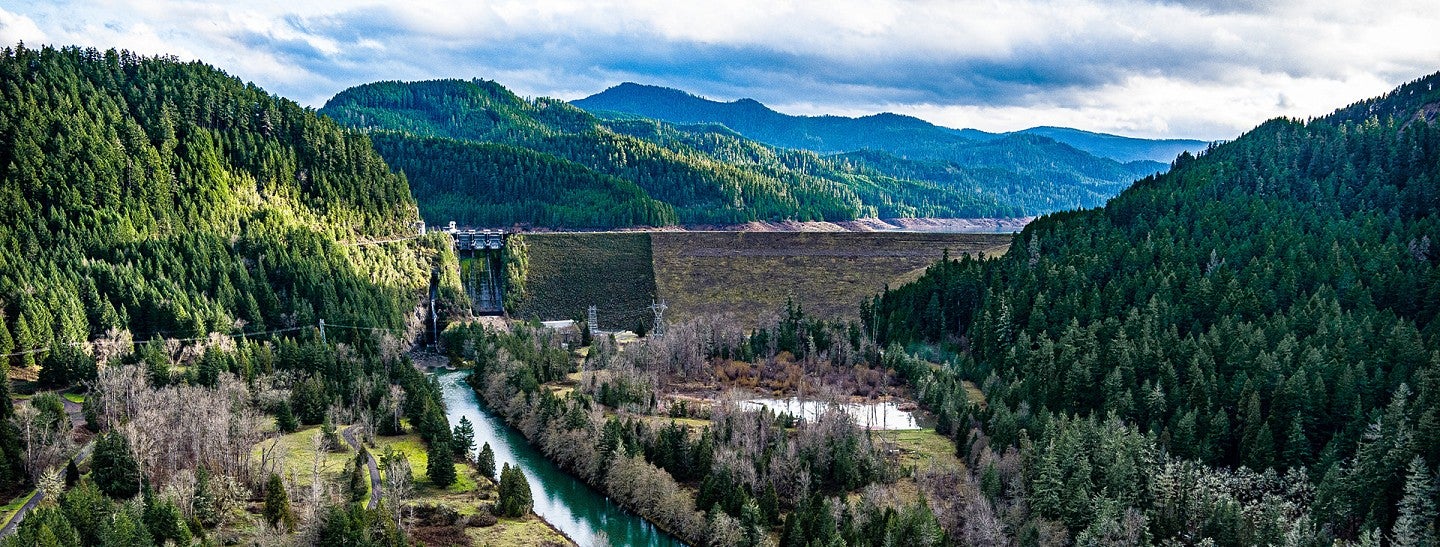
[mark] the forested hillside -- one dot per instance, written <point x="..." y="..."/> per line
<point x="145" y="198"/>
<point x="1242" y="350"/>
<point x="685" y="174"/>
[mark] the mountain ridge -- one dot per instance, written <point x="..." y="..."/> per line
<point x="819" y="133"/>
<point x="668" y="174"/>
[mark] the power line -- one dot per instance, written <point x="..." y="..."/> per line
<point x="152" y="340"/>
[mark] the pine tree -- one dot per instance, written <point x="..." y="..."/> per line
<point x="114" y="468"/>
<point x="486" y="461"/>
<point x="72" y="474"/>
<point x="165" y="522"/>
<point x="204" y="501"/>
<point x="359" y="484"/>
<point x="285" y="418"/>
<point x="439" y="466"/>
<point x="277" y="504"/>
<point x="1415" y="527"/>
<point x="463" y="438"/>
<point x="515" y="499"/>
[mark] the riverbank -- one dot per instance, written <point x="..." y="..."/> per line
<point x="565" y="502"/>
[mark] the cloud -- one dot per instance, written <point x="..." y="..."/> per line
<point x="1189" y="68"/>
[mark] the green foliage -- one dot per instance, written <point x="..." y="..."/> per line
<point x="545" y="162"/>
<point x="486" y="184"/>
<point x="86" y="507"/>
<point x="285" y="418"/>
<point x="165" y="522"/>
<point x="72" y="474"/>
<point x="66" y="365"/>
<point x="485" y="462"/>
<point x="463" y="438"/>
<point x="46" y="526"/>
<point x="359" y="483"/>
<point x="439" y="465"/>
<point x="277" y="504"/>
<point x="113" y="466"/>
<point x="168" y="198"/>
<point x="1269" y="304"/>
<point x="126" y="527"/>
<point x="204" y="499"/>
<point x="516" y="258"/>
<point x="515" y="500"/>
<point x="310" y="401"/>
<point x="355" y="526"/>
<point x="52" y="411"/>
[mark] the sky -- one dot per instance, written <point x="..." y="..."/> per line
<point x="1206" y="69"/>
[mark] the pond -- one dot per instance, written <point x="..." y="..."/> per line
<point x="879" y="415"/>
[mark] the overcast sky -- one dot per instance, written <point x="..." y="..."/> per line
<point x="1206" y="69"/>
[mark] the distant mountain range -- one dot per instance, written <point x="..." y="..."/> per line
<point x="906" y="136"/>
<point x="476" y="153"/>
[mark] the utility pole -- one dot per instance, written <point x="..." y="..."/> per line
<point x="658" y="308"/>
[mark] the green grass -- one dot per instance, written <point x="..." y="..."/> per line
<point x="973" y="393"/>
<point x="297" y="456"/>
<point x="572" y="271"/>
<point x="918" y="446"/>
<point x="414" y="450"/>
<point x="8" y="510"/>
<point x="521" y="532"/>
<point x="77" y="398"/>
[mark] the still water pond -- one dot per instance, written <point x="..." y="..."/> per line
<point x="883" y="415"/>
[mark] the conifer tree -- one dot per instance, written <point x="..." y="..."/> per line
<point x="114" y="468"/>
<point x="1415" y="527"/>
<point x="277" y="504"/>
<point x="485" y="462"/>
<point x="463" y="438"/>
<point x="439" y="466"/>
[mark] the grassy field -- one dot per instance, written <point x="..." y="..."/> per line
<point x="572" y="271"/>
<point x="461" y="494"/>
<point x="743" y="276"/>
<point x="297" y="456"/>
<point x="919" y="446"/>
<point x="529" y="531"/>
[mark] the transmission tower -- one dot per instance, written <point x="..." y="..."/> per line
<point x="591" y="321"/>
<point x="658" y="308"/>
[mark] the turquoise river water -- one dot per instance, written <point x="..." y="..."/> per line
<point x="579" y="511"/>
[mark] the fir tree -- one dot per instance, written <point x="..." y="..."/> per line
<point x="486" y="462"/>
<point x="114" y="468"/>
<point x="277" y="504"/>
<point x="439" y="466"/>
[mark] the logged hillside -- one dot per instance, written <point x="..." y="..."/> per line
<point x="1267" y="307"/>
<point x="563" y="167"/>
<point x="145" y="197"/>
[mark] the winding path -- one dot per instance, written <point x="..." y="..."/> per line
<point x="77" y="419"/>
<point x="349" y="434"/>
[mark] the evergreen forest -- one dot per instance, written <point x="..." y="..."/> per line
<point x="1240" y="351"/>
<point x="636" y="171"/>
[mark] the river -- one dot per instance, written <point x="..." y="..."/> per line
<point x="582" y="513"/>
